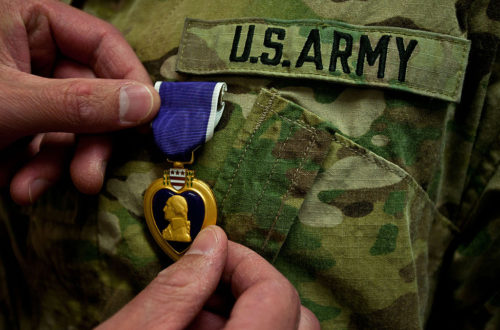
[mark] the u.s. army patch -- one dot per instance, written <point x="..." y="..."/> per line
<point x="416" y="61"/>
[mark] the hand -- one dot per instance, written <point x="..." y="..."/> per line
<point x="187" y="293"/>
<point x="50" y="57"/>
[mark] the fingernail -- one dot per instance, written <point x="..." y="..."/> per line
<point x="136" y="102"/>
<point x="205" y="242"/>
<point x="36" y="188"/>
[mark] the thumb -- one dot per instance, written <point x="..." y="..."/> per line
<point x="33" y="104"/>
<point x="178" y="293"/>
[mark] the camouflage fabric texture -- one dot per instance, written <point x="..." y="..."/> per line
<point x="327" y="50"/>
<point x="379" y="205"/>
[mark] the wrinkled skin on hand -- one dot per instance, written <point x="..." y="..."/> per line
<point x="216" y="284"/>
<point x="53" y="109"/>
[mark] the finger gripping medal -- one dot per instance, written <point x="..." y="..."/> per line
<point x="177" y="206"/>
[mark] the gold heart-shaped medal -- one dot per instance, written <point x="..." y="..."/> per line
<point x="177" y="207"/>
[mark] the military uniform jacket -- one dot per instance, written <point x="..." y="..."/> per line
<point x="358" y="153"/>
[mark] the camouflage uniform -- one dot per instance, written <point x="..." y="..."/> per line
<point x="377" y="201"/>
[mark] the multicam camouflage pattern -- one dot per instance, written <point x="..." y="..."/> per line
<point x="353" y="238"/>
<point x="387" y="57"/>
<point x="380" y="206"/>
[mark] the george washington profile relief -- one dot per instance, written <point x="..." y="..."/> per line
<point x="176" y="210"/>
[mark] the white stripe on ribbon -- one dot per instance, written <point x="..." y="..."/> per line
<point x="216" y="109"/>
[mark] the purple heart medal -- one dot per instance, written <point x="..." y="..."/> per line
<point x="178" y="206"/>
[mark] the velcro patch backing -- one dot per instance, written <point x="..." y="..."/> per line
<point x="420" y="62"/>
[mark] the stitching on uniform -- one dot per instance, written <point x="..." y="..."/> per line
<point x="185" y="36"/>
<point x="271" y="173"/>
<point x="405" y="177"/>
<point x="184" y="45"/>
<point x="267" y="108"/>
<point x="293" y="183"/>
<point x="325" y="76"/>
<point x="327" y="24"/>
<point x="357" y="151"/>
<point x="265" y="111"/>
<point x="379" y="164"/>
<point x="459" y="73"/>
<point x="297" y="122"/>
<point x="448" y="70"/>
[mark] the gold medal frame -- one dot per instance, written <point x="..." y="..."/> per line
<point x="197" y="186"/>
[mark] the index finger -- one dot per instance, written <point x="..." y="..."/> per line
<point x="93" y="42"/>
<point x="265" y="299"/>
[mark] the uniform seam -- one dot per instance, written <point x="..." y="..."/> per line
<point x="271" y="173"/>
<point x="405" y="177"/>
<point x="293" y="183"/>
<point x="184" y="45"/>
<point x="462" y="44"/>
<point x="327" y="77"/>
<point x="379" y="164"/>
<point x="298" y="122"/>
<point x="261" y="119"/>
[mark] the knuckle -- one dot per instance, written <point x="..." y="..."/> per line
<point x="110" y="36"/>
<point x="172" y="279"/>
<point x="283" y="290"/>
<point x="112" y="31"/>
<point x="76" y="100"/>
<point x="179" y="284"/>
<point x="291" y="294"/>
<point x="286" y="286"/>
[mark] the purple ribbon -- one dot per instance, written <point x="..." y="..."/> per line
<point x="185" y="114"/>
